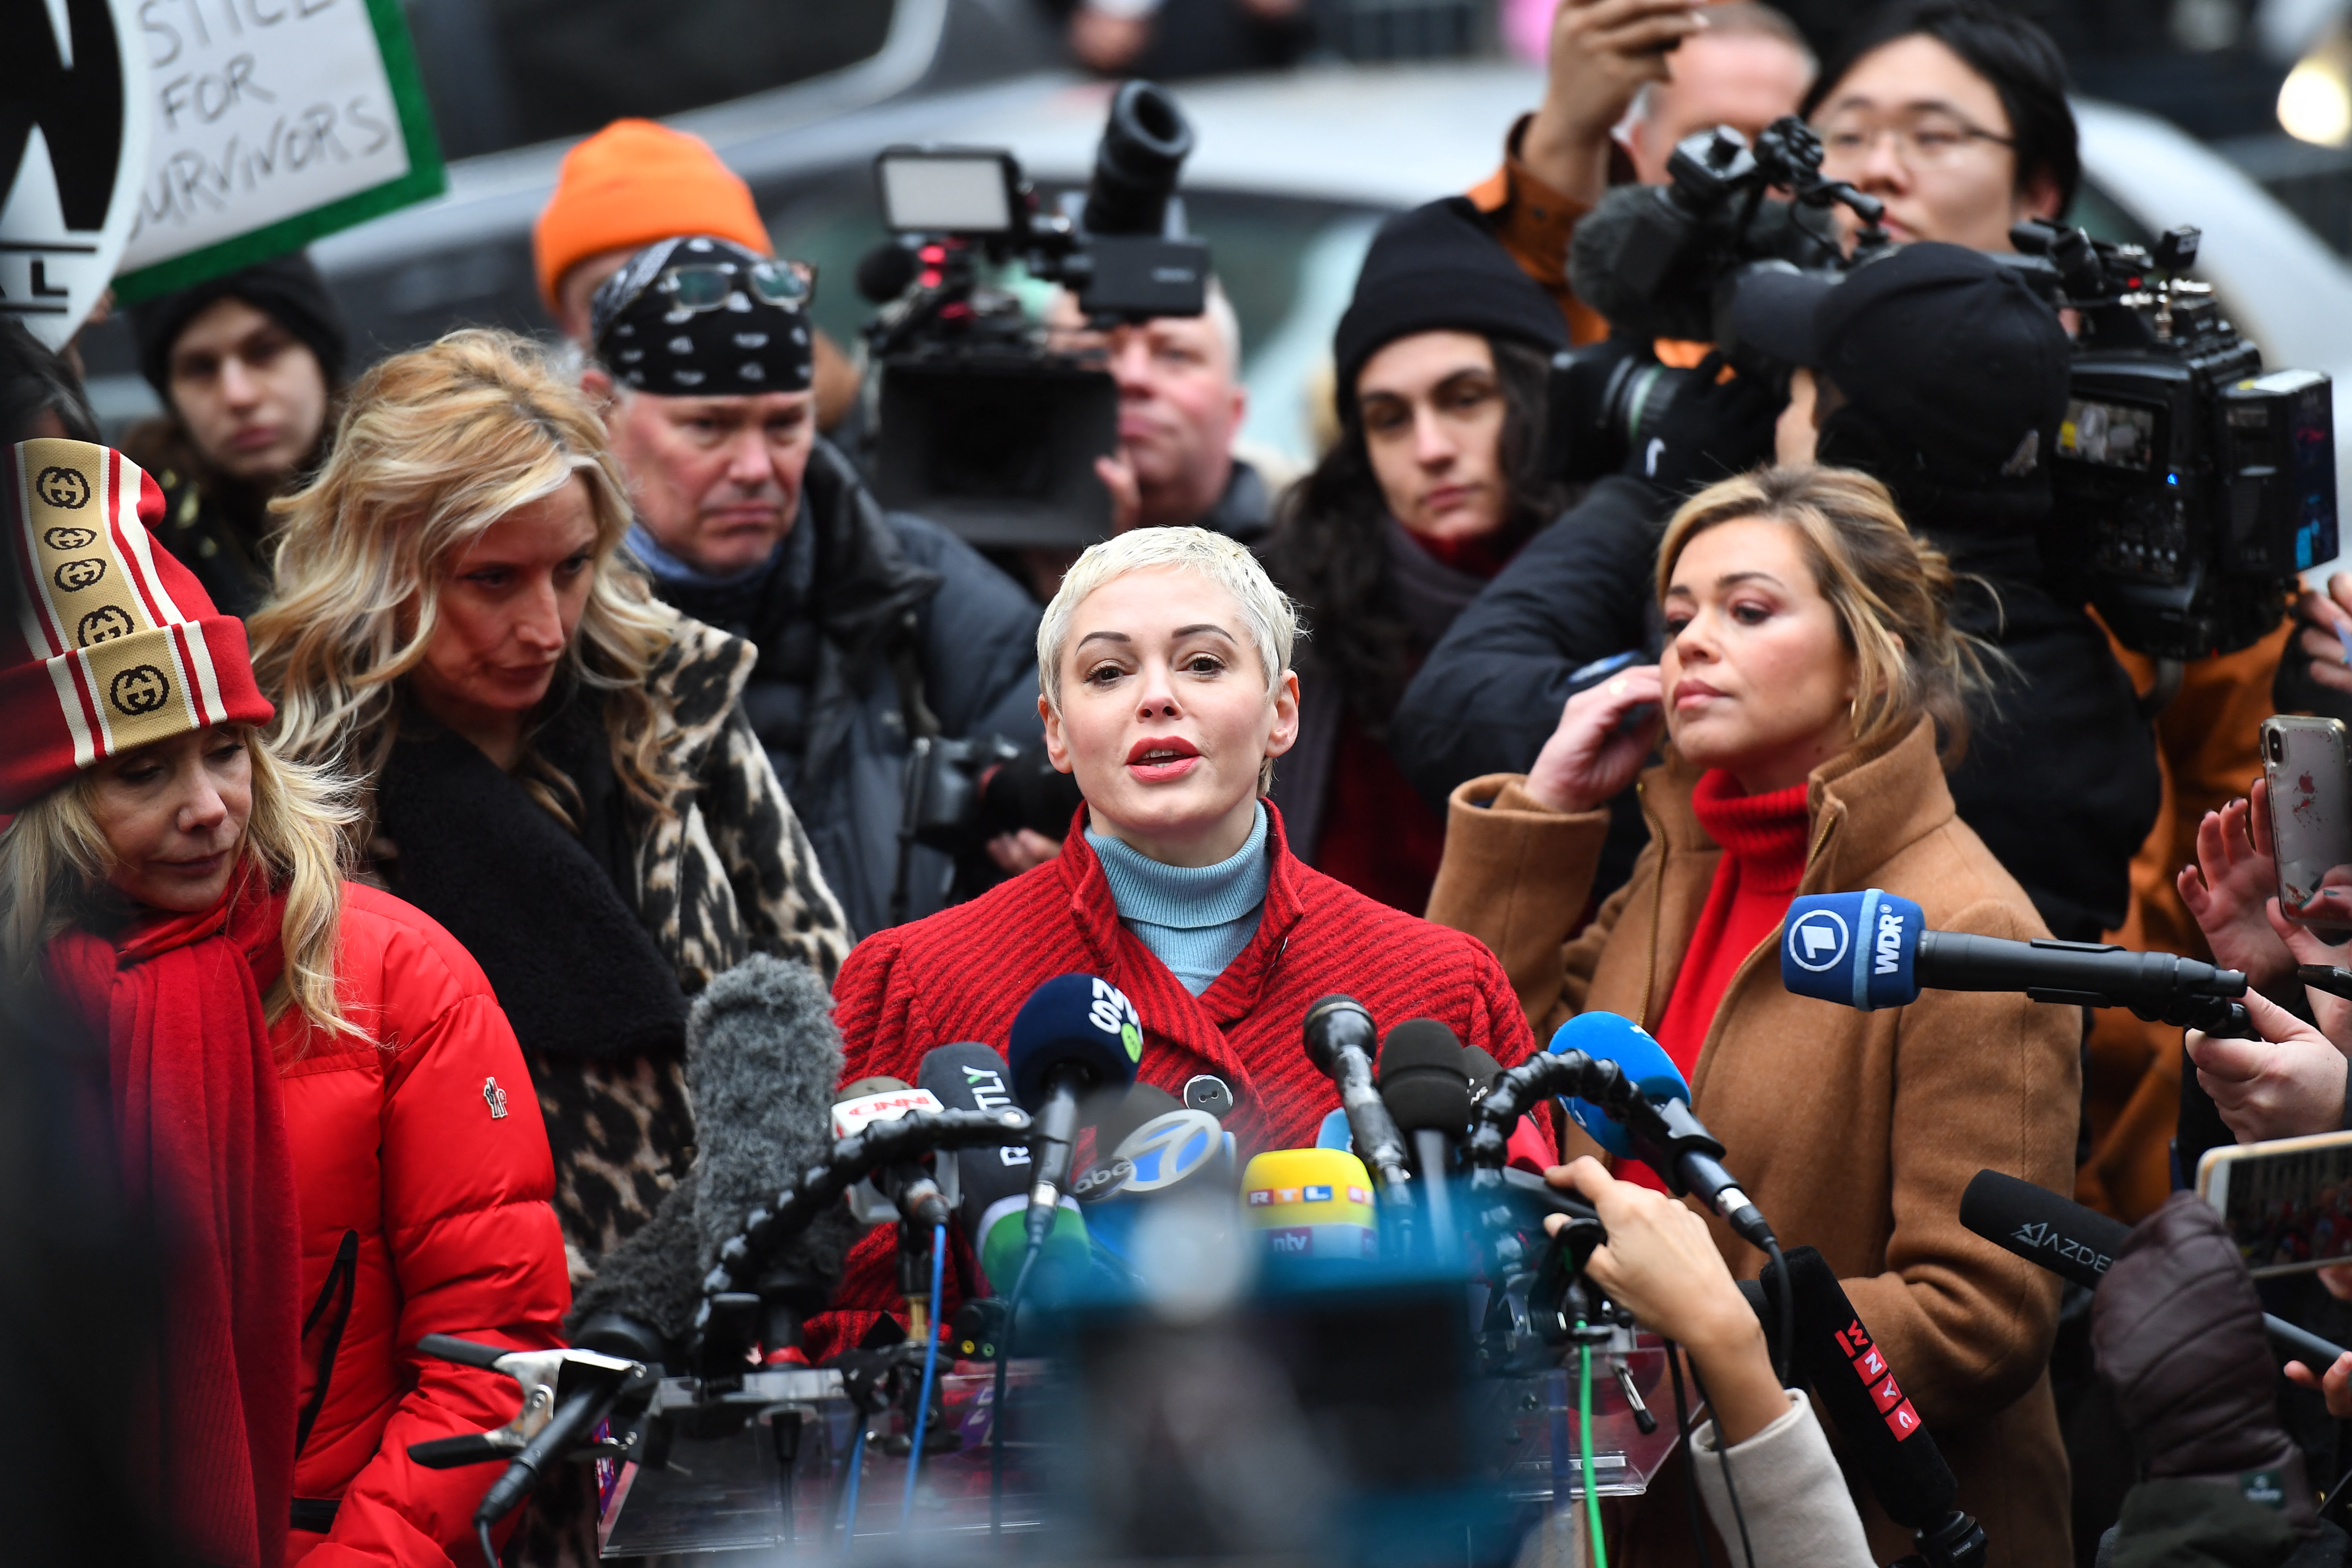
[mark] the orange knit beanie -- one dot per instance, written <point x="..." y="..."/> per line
<point x="632" y="184"/>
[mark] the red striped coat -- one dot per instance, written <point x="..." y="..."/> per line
<point x="962" y="973"/>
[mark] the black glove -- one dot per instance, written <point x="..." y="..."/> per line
<point x="2178" y="1332"/>
<point x="1713" y="428"/>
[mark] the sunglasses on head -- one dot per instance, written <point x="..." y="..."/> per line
<point x="704" y="285"/>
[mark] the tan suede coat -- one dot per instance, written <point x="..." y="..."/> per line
<point x="1854" y="1132"/>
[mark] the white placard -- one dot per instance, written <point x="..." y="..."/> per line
<point x="262" y="110"/>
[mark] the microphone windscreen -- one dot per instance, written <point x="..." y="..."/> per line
<point x="1310" y="1203"/>
<point x="1481" y="1068"/>
<point x="1334" y="1133"/>
<point x="968" y="1076"/>
<point x="1629" y="215"/>
<point x="1882" y="1433"/>
<point x="1610" y="1037"/>
<point x="654" y="1277"/>
<point x="762" y="1058"/>
<point x="2062" y="1236"/>
<point x="1003" y="1239"/>
<point x="1171" y="1149"/>
<point x="1422" y="1079"/>
<point x="1856" y="950"/>
<point x="1073" y="1021"/>
<point x="884" y="272"/>
<point x="1126" y="1111"/>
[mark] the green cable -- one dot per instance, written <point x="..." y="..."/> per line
<point x="1584" y="1438"/>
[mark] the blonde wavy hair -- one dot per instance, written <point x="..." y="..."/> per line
<point x="436" y="446"/>
<point x="55" y="862"/>
<point x="1891" y="591"/>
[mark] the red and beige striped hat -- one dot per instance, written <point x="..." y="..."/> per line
<point x="114" y="645"/>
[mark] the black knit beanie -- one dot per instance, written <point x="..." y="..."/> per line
<point x="1439" y="269"/>
<point x="286" y="289"/>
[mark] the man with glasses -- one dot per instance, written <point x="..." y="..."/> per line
<point x="871" y="627"/>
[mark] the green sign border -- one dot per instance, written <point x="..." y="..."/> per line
<point x="426" y="177"/>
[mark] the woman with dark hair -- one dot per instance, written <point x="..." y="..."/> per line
<point x="1952" y="112"/>
<point x="1435" y="482"/>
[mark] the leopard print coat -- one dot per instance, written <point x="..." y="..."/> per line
<point x="729" y="874"/>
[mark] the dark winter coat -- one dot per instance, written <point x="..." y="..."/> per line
<point x="871" y="619"/>
<point x="2060" y="780"/>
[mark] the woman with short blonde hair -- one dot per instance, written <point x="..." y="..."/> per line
<point x="309" y="1077"/>
<point x="1812" y="691"/>
<point x="556" y="765"/>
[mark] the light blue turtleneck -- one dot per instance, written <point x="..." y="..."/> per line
<point x="1195" y="919"/>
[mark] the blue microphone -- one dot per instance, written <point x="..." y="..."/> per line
<point x="1685" y="1167"/>
<point x="1871" y="950"/>
<point x="1076" y="1034"/>
<point x="1605" y="1037"/>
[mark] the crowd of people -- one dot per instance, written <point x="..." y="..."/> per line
<point x="394" y="752"/>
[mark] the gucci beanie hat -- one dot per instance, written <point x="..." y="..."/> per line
<point x="109" y="644"/>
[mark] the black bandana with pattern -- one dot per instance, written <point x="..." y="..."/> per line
<point x="742" y="346"/>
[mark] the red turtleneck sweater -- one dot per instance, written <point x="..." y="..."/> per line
<point x="1764" y="839"/>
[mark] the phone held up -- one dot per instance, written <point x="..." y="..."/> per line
<point x="2309" y="772"/>
<point x="2287" y="1203"/>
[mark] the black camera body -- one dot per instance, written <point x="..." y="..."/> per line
<point x="973" y="421"/>
<point x="2191" y="487"/>
<point x="1665" y="261"/>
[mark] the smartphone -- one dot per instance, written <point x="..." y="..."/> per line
<point x="2287" y="1203"/>
<point x="2310" y="776"/>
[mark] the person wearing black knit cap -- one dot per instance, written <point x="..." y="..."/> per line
<point x="247" y="366"/>
<point x="1435" y="482"/>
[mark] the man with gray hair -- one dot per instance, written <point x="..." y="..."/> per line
<point x="1181" y="404"/>
<point x="1626" y="80"/>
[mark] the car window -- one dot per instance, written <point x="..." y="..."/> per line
<point x="507" y="73"/>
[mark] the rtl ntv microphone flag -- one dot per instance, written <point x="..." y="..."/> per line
<point x="1857" y="949"/>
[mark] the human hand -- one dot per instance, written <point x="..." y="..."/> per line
<point x="1594" y="753"/>
<point x="1118" y="475"/>
<point x="1023" y="850"/>
<point x="2325" y="619"/>
<point x="2230" y="884"/>
<point x="1712" y="429"/>
<point x="2335" y="1386"/>
<point x="1105" y="41"/>
<point x="1602" y="53"/>
<point x="2288" y="1084"/>
<point x="1660" y="1263"/>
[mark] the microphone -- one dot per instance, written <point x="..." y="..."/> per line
<point x="992" y="1183"/>
<point x="2078" y="1244"/>
<point x="1310" y="1204"/>
<point x="1180" y="1152"/>
<point x="1688" y="1161"/>
<point x="908" y="1190"/>
<point x="1838" y="1357"/>
<point x="1482" y="1070"/>
<point x="762" y="1056"/>
<point x="1871" y="950"/>
<point x="1074" y="1034"/>
<point x="1428" y="1095"/>
<point x="1340" y="1041"/>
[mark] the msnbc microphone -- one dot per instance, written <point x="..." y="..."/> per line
<point x="1688" y="1159"/>
<point x="1076" y="1034"/>
<point x="762" y="1058"/>
<point x="1340" y="1041"/>
<point x="1837" y="1355"/>
<point x="1871" y="950"/>
<point x="1422" y="1083"/>
<point x="2078" y="1244"/>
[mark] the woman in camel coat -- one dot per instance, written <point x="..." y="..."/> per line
<point x="1809" y="674"/>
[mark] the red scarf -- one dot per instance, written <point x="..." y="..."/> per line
<point x="1764" y="839"/>
<point x="200" y="1131"/>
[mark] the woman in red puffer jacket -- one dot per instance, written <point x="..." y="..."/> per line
<point x="313" y="1086"/>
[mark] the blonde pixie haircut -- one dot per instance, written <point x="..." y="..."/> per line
<point x="434" y="446"/>
<point x="55" y="862"/>
<point x="1891" y="592"/>
<point x="1268" y="613"/>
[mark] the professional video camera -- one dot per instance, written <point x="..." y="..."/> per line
<point x="1662" y="261"/>
<point x="959" y="794"/>
<point x="974" y="422"/>
<point x="2191" y="487"/>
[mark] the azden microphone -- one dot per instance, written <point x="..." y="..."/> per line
<point x="2078" y="1244"/>
<point x="1871" y="950"/>
<point x="1341" y="1040"/>
<point x="1076" y="1034"/>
